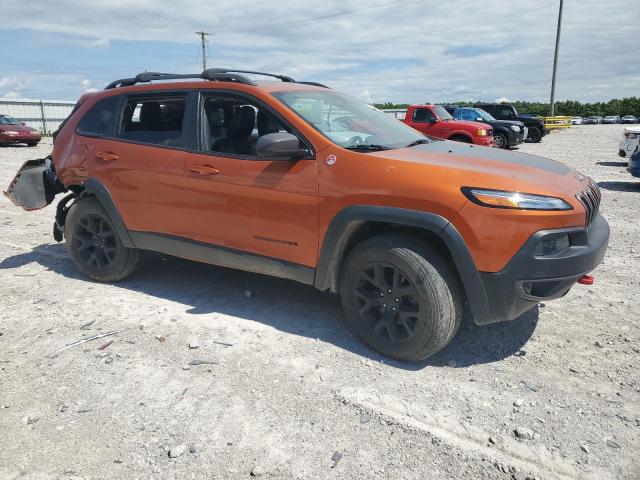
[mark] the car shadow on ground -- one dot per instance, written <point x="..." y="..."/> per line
<point x="612" y="164"/>
<point x="618" y="186"/>
<point x="285" y="305"/>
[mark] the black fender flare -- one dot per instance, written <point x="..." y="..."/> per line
<point x="347" y="222"/>
<point x="99" y="190"/>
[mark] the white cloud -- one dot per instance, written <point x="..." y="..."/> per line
<point x="99" y="43"/>
<point x="365" y="96"/>
<point x="11" y="95"/>
<point x="406" y="52"/>
<point x="86" y="83"/>
<point x="502" y="100"/>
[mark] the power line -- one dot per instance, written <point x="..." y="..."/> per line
<point x="325" y="17"/>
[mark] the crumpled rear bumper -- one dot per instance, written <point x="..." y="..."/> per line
<point x="34" y="185"/>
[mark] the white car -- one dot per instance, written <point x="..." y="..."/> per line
<point x="576" y="120"/>
<point x="630" y="141"/>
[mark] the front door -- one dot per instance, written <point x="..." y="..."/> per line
<point x="244" y="202"/>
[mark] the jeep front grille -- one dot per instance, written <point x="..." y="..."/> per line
<point x="590" y="198"/>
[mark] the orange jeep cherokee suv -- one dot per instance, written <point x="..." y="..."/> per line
<point x="295" y="180"/>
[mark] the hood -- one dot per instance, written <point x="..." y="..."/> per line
<point x="18" y="128"/>
<point x="467" y="123"/>
<point x="484" y="167"/>
<point x="507" y="123"/>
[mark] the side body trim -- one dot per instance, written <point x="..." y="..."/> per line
<point x="222" y="256"/>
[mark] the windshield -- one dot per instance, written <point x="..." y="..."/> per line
<point x="6" y="120"/>
<point x="349" y="122"/>
<point x="484" y="115"/>
<point x="442" y="114"/>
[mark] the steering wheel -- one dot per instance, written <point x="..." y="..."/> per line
<point x="355" y="141"/>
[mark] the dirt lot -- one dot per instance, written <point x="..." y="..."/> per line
<point x="290" y="387"/>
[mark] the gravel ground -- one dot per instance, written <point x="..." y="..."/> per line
<point x="289" y="393"/>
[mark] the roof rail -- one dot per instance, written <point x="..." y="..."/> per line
<point x="212" y="74"/>
<point x="146" y="77"/>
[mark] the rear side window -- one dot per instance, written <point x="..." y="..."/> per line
<point x="155" y="120"/>
<point x="506" y="113"/>
<point x="99" y="121"/>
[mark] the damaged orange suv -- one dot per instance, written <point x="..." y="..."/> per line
<point x="296" y="180"/>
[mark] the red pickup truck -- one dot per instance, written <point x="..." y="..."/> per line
<point x="435" y="121"/>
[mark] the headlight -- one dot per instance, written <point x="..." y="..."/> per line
<point x="517" y="200"/>
<point x="515" y="128"/>
<point x="481" y="132"/>
<point x="11" y="132"/>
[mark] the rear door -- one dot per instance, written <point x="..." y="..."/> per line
<point x="141" y="162"/>
<point x="238" y="200"/>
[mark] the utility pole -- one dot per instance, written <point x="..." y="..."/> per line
<point x="203" y="41"/>
<point x="555" y="63"/>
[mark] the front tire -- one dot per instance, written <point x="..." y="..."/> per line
<point x="94" y="244"/>
<point x="535" y="135"/>
<point x="401" y="297"/>
<point x="500" y="140"/>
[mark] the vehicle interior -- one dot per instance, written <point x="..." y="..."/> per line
<point x="233" y="125"/>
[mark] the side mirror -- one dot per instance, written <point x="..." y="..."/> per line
<point x="433" y="120"/>
<point x="23" y="123"/>
<point x="281" y="145"/>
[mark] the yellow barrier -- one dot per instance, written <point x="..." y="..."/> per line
<point x="556" y="122"/>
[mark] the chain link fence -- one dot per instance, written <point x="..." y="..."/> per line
<point x="43" y="115"/>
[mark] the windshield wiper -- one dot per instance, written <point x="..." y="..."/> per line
<point x="367" y="147"/>
<point x="420" y="141"/>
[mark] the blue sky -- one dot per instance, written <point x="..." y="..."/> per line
<point x="400" y="51"/>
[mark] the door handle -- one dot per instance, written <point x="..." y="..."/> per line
<point x="204" y="169"/>
<point x="107" y="156"/>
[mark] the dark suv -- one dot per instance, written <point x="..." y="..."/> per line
<point x="504" y="111"/>
<point x="506" y="133"/>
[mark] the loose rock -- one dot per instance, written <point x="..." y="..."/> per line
<point x="524" y="433"/>
<point x="519" y="402"/>
<point x="177" y="450"/>
<point x="257" y="471"/>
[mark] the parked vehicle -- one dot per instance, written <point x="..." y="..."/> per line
<point x="629" y="119"/>
<point x="252" y="176"/>
<point x="506" y="133"/>
<point x="592" y="120"/>
<point x="630" y="141"/>
<point x="503" y="111"/>
<point x="576" y="121"/>
<point x="435" y="121"/>
<point x="611" y="119"/>
<point x="13" y="131"/>
<point x="634" y="163"/>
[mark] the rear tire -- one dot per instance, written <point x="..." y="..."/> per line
<point x="500" y="140"/>
<point x="94" y="244"/>
<point x="32" y="144"/>
<point x="535" y="135"/>
<point x="401" y="296"/>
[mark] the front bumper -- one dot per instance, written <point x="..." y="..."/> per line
<point x="529" y="279"/>
<point x="484" y="141"/>
<point x="515" y="138"/>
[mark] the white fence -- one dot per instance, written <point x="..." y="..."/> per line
<point x="44" y="115"/>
